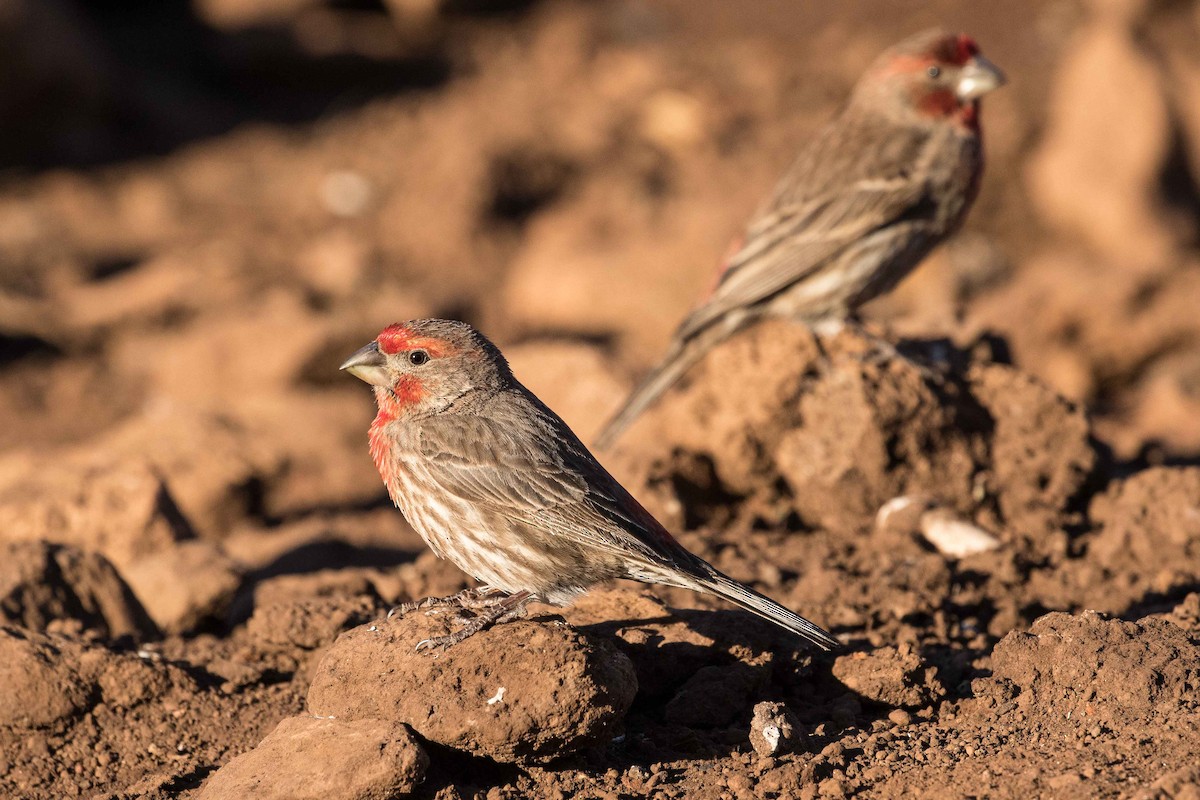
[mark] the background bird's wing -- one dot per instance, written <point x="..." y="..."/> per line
<point x="795" y="237"/>
<point x="541" y="475"/>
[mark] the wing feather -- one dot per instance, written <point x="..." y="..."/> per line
<point x="544" y="478"/>
<point x="793" y="241"/>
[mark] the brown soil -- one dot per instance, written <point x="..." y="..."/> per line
<point x="210" y="204"/>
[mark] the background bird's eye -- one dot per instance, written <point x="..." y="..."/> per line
<point x="418" y="357"/>
<point x="934" y="71"/>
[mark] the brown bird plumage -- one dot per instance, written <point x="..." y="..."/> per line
<point x="496" y="482"/>
<point x="887" y="180"/>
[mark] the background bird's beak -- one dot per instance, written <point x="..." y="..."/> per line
<point x="978" y="77"/>
<point x="368" y="364"/>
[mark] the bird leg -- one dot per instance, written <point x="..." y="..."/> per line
<point x="511" y="607"/>
<point x="474" y="597"/>
<point x="880" y="350"/>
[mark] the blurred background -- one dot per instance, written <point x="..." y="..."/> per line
<point x="205" y="205"/>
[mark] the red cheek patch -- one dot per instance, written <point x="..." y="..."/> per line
<point x="938" y="104"/>
<point x="409" y="391"/>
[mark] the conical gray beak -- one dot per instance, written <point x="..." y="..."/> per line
<point x="368" y="364"/>
<point x="978" y="77"/>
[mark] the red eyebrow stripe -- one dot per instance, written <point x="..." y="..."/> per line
<point x="907" y="63"/>
<point x="395" y="338"/>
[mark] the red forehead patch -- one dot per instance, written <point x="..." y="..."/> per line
<point x="954" y="50"/>
<point x="397" y="338"/>
<point x="965" y="50"/>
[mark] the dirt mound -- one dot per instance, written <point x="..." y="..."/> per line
<point x="1105" y="675"/>
<point x="769" y="427"/>
<point x="42" y="689"/>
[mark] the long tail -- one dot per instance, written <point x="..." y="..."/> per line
<point x="724" y="586"/>
<point x="682" y="356"/>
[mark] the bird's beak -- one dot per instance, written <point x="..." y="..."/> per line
<point x="978" y="77"/>
<point x="368" y="364"/>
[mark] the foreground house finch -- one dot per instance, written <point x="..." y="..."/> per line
<point x="886" y="181"/>
<point x="494" y="481"/>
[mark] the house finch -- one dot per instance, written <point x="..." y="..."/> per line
<point x="496" y="482"/>
<point x="886" y="181"/>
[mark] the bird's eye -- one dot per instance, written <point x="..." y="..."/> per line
<point x="418" y="357"/>
<point x="933" y="72"/>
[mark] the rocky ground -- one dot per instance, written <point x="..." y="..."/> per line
<point x="208" y="205"/>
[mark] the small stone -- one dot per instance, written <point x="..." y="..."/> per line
<point x="832" y="787"/>
<point x="953" y="536"/>
<point x="774" y="729"/>
<point x="899" y="716"/>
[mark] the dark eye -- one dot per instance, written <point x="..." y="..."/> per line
<point x="418" y="357"/>
<point x="933" y="72"/>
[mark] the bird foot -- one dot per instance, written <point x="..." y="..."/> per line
<point x="475" y="597"/>
<point x="503" y="610"/>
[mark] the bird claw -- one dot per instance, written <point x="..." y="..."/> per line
<point x="440" y="644"/>
<point x="412" y="605"/>
<point x="467" y="598"/>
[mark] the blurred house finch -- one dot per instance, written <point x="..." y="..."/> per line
<point x="494" y="481"/>
<point x="886" y="181"/>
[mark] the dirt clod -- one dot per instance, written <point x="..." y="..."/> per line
<point x="895" y="677"/>
<point x="521" y="691"/>
<point x="42" y="688"/>
<point x="185" y="585"/>
<point x="306" y="758"/>
<point x="44" y="585"/>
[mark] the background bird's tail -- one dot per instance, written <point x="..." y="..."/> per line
<point x="723" y="586"/>
<point x="682" y="356"/>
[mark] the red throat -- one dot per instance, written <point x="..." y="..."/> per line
<point x="380" y="447"/>
<point x="393" y="405"/>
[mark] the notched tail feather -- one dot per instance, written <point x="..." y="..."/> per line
<point x="760" y="605"/>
